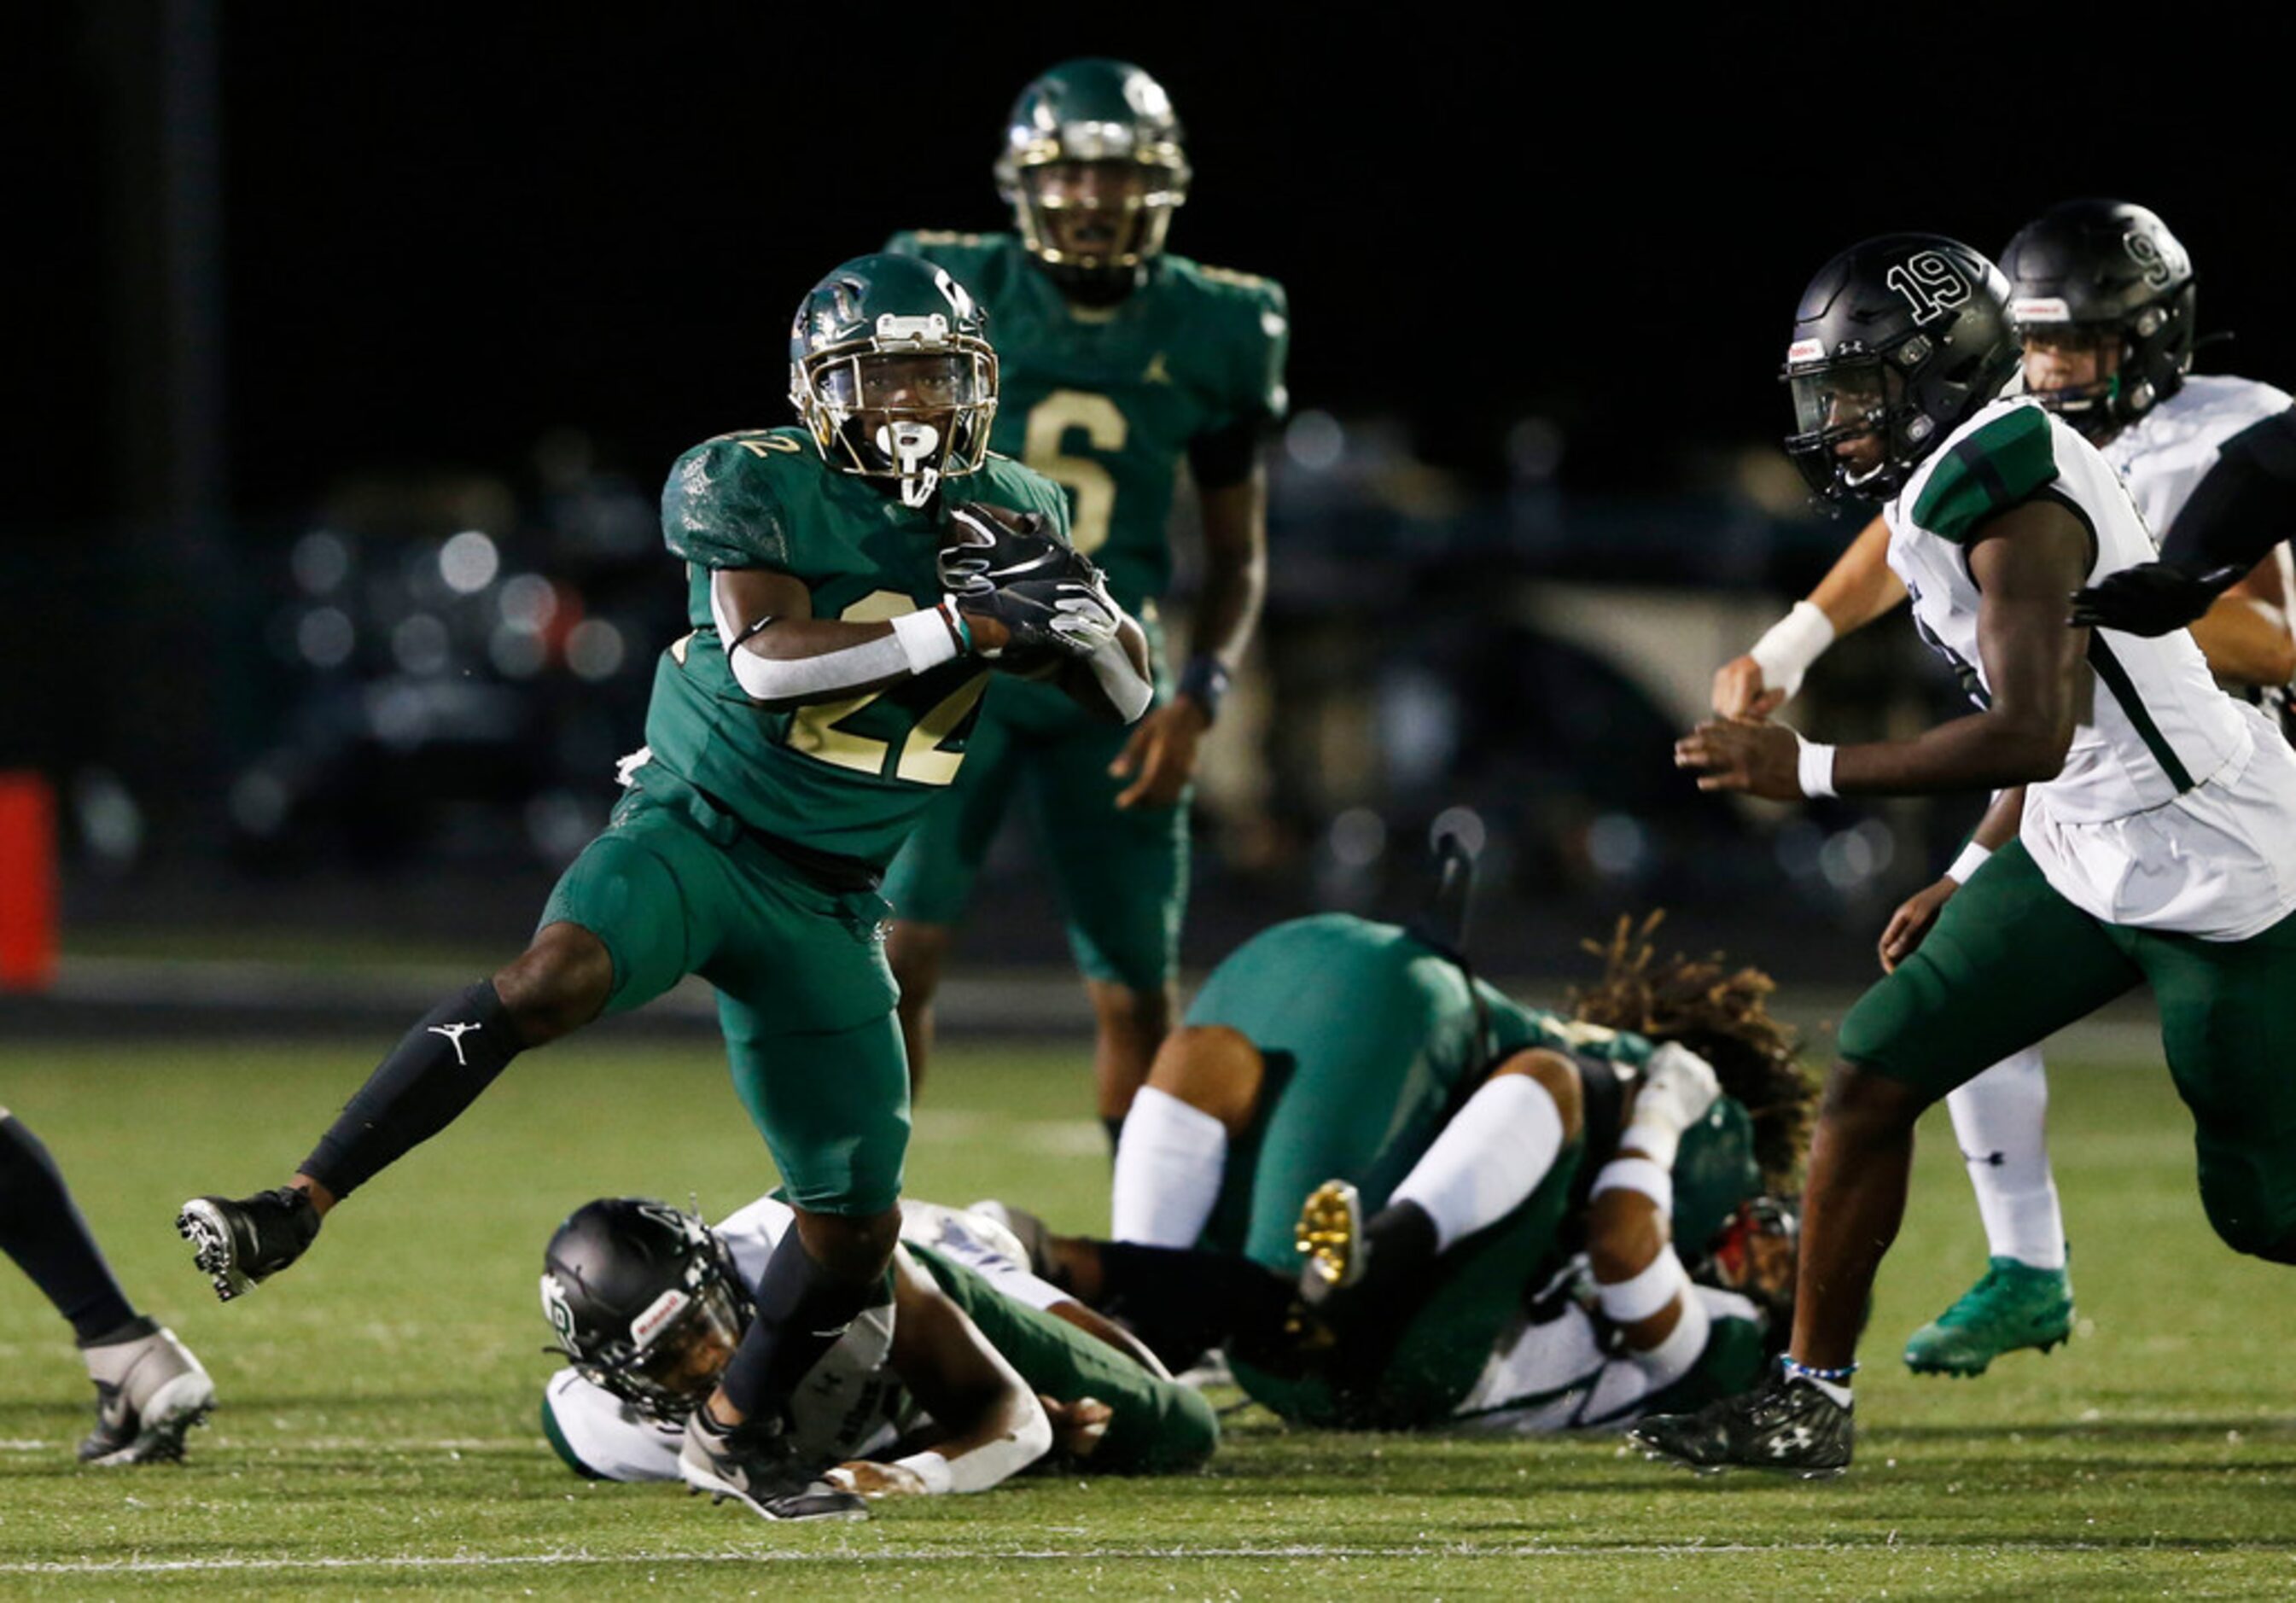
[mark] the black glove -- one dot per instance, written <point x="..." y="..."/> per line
<point x="2151" y="598"/>
<point x="989" y="547"/>
<point x="1067" y="617"/>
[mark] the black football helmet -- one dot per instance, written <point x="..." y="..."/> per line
<point x="2113" y="270"/>
<point x="1904" y="338"/>
<point x="646" y="1301"/>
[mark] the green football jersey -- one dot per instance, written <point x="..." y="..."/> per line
<point x="848" y="777"/>
<point x="1105" y="400"/>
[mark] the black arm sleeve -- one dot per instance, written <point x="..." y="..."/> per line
<point x="2245" y="505"/>
<point x="1224" y="457"/>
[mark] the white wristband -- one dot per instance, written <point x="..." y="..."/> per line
<point x="1646" y="1176"/>
<point x="928" y="638"/>
<point x="1815" y="768"/>
<point x="1972" y="859"/>
<point x="1792" y="643"/>
<point x="1630" y="1300"/>
<point x="930" y="1468"/>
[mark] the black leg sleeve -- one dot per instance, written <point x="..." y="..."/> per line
<point x="42" y="1230"/>
<point x="801" y="1314"/>
<point x="434" y="1073"/>
<point x="1182" y="1302"/>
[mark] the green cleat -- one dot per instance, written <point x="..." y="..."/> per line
<point x="2015" y="1305"/>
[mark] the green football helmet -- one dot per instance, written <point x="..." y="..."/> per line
<point x="1093" y="167"/>
<point x="891" y="372"/>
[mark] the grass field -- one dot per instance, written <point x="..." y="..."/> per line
<point x="378" y="1428"/>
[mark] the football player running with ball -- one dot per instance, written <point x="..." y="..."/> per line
<point x="2103" y="297"/>
<point x="846" y="620"/>
<point x="1119" y="360"/>
<point x="2146" y="833"/>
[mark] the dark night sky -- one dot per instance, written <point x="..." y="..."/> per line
<point x="441" y="240"/>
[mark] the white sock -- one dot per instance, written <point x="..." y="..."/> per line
<point x="2000" y="1118"/>
<point x="1168" y="1165"/>
<point x="1487" y="1160"/>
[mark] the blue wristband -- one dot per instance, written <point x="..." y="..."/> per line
<point x="1204" y="681"/>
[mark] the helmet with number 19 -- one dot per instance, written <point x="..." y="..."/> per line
<point x="891" y="372"/>
<point x="1898" y="341"/>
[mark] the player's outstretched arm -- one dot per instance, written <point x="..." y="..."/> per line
<point x="2033" y="664"/>
<point x="1910" y="925"/>
<point x="1639" y="1281"/>
<point x="996" y="1427"/>
<point x="1161" y="756"/>
<point x="2245" y="634"/>
<point x="2240" y="511"/>
<point x="1858" y="589"/>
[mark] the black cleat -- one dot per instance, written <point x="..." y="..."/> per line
<point x="241" y="1242"/>
<point x="757" y="1465"/>
<point x="1789" y="1426"/>
<point x="149" y="1392"/>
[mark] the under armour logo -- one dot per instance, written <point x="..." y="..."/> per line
<point x="1794" y="1441"/>
<point x="455" y="1033"/>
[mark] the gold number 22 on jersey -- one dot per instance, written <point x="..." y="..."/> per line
<point x="817" y="729"/>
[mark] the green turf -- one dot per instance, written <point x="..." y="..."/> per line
<point x="377" y="1434"/>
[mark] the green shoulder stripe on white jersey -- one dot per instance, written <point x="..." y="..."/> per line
<point x="1988" y="471"/>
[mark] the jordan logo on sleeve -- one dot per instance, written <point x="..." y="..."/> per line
<point x="455" y="1033"/>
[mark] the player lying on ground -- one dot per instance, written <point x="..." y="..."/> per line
<point x="846" y="620"/>
<point x="1119" y="360"/>
<point x="966" y="1370"/>
<point x="2102" y="295"/>
<point x="2154" y="817"/>
<point x="1451" y="1156"/>
<point x="150" y="1391"/>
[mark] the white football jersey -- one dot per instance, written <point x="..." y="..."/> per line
<point x="1558" y="1374"/>
<point x="2176" y="808"/>
<point x="2164" y="455"/>
<point x="850" y="1405"/>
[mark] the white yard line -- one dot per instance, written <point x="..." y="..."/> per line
<point x="452" y="1561"/>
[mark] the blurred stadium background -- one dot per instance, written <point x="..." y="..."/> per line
<point x="333" y="581"/>
<point x="351" y="351"/>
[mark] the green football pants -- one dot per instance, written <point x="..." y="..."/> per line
<point x="675" y="887"/>
<point x="2010" y="961"/>
<point x="1121" y="873"/>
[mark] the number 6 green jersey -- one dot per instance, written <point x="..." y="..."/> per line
<point x="1105" y="400"/>
<point x="848" y="777"/>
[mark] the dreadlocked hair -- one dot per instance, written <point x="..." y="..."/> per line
<point x="1721" y="1014"/>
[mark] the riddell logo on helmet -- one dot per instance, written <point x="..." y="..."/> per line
<point x="1804" y="351"/>
<point x="2040" y="309"/>
<point x="648" y="1325"/>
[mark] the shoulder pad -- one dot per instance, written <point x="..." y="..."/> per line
<point x="1988" y="470"/>
<point x="722" y="506"/>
